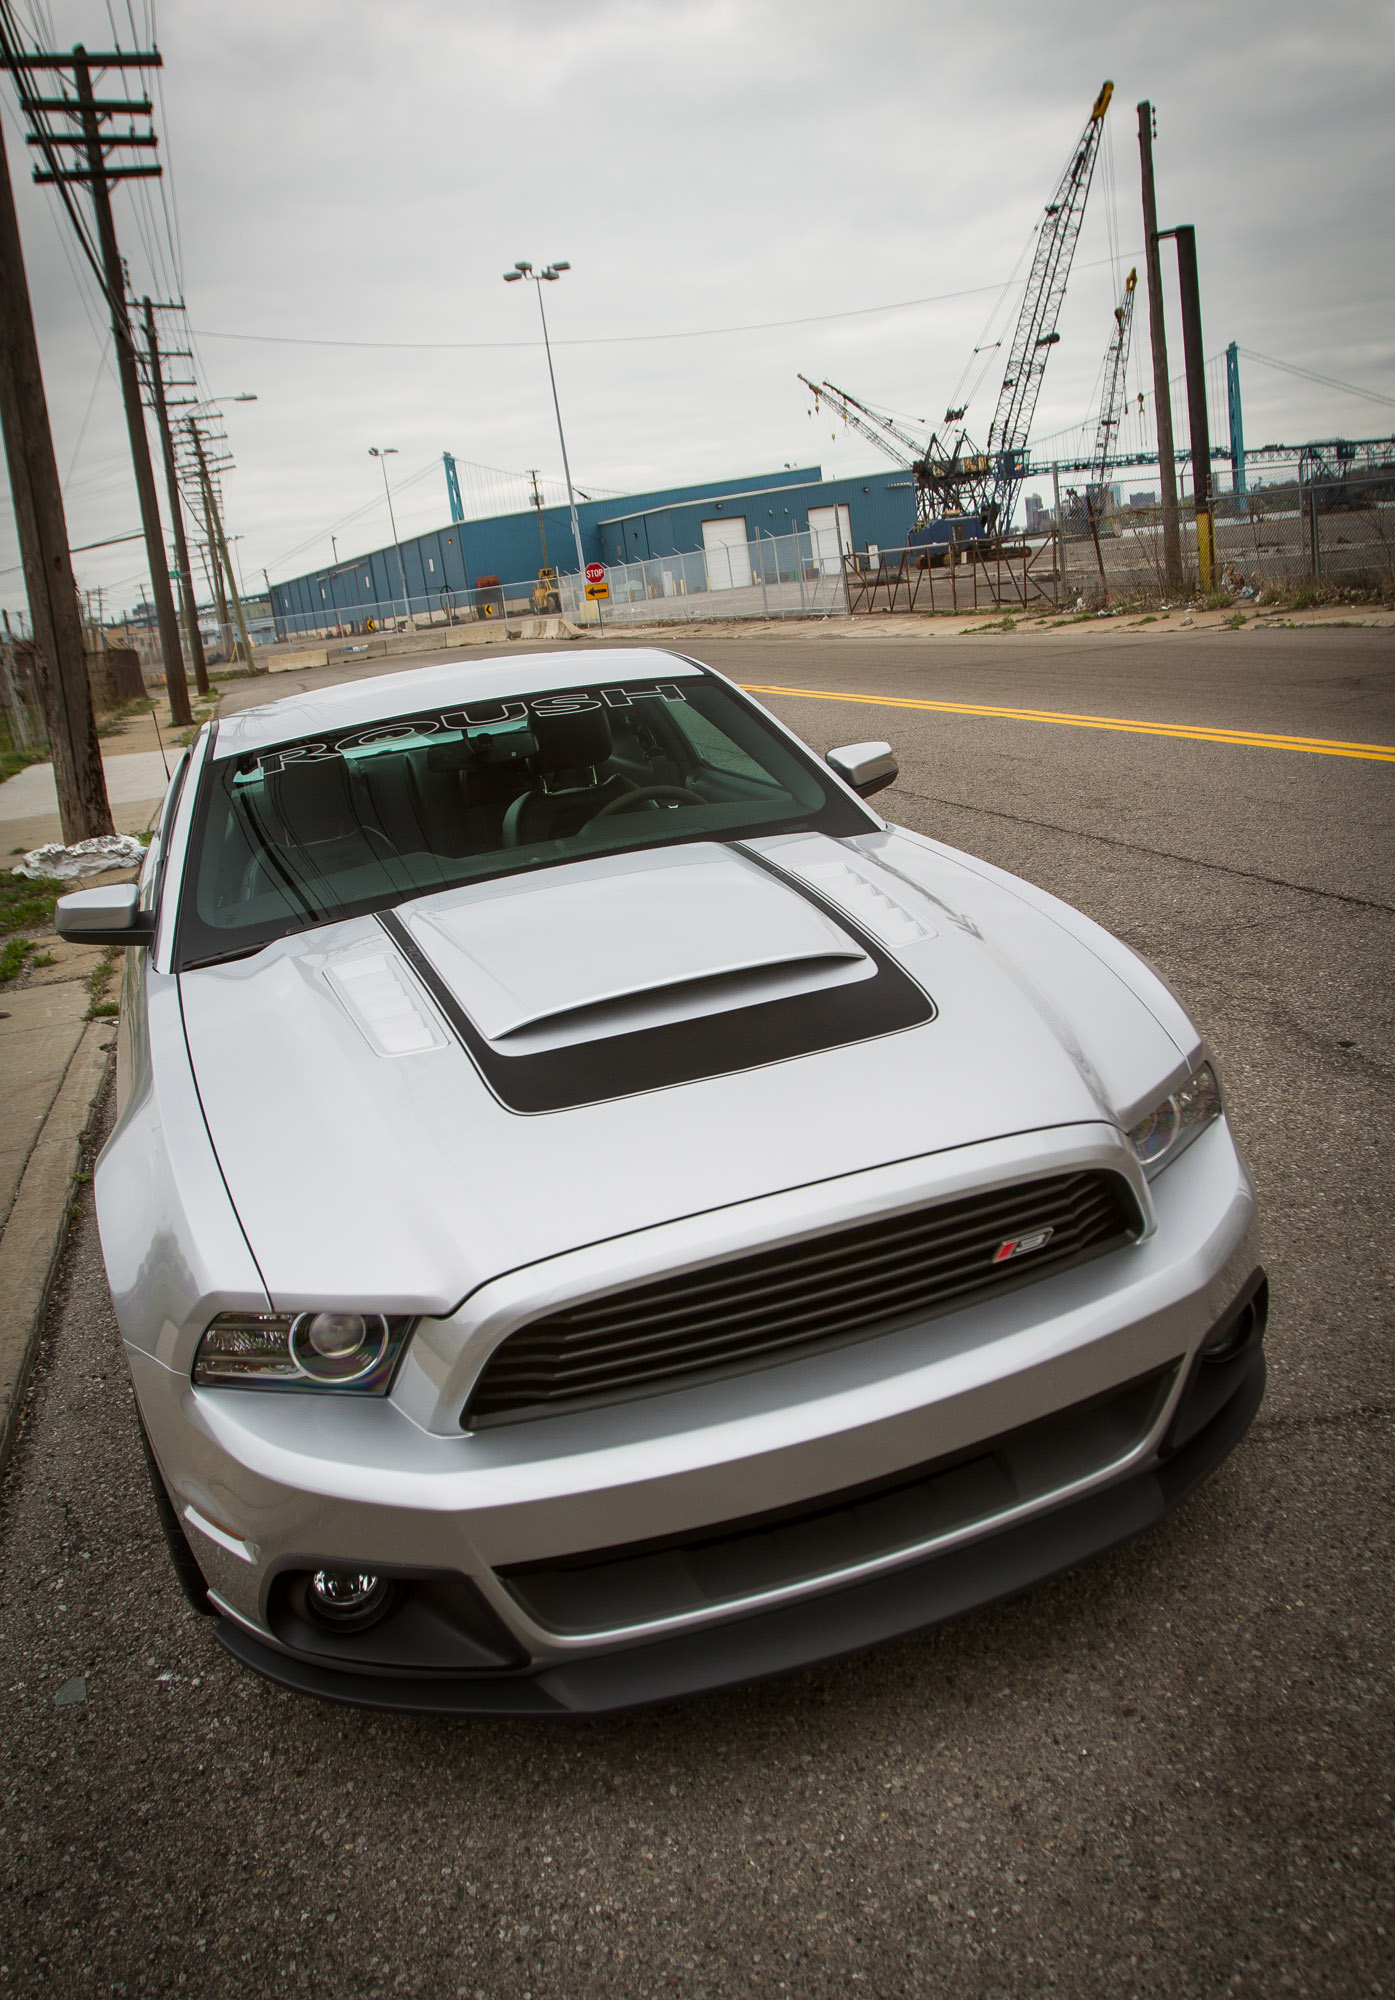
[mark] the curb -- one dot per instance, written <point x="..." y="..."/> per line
<point x="37" y="1228"/>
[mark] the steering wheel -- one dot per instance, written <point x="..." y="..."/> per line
<point x="644" y="793"/>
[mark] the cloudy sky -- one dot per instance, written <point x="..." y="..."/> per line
<point x="744" y="188"/>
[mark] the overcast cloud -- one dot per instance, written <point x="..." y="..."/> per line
<point x="347" y="170"/>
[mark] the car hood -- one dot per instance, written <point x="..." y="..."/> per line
<point x="406" y="1107"/>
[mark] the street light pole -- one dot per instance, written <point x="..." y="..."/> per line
<point x="550" y="276"/>
<point x="383" y="453"/>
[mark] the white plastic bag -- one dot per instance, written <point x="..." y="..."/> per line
<point x="86" y="857"/>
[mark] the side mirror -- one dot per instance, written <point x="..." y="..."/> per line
<point x="867" y="767"/>
<point x="110" y="915"/>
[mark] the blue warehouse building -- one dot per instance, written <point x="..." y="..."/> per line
<point x="443" y="567"/>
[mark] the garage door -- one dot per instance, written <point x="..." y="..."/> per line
<point x="826" y="524"/>
<point x="728" y="553"/>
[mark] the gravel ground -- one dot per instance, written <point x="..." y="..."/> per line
<point x="1167" y="1774"/>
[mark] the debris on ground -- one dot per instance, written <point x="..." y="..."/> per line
<point x="57" y="863"/>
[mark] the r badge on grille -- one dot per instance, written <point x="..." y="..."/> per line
<point x="1018" y="1246"/>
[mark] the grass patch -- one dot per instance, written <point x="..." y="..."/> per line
<point x="994" y="625"/>
<point x="28" y="906"/>
<point x="12" y="760"/>
<point x="1234" y="623"/>
<point x="13" y="954"/>
<point x="1219" y="600"/>
<point x="98" y="980"/>
<point x="115" y="721"/>
<point x="1149" y="620"/>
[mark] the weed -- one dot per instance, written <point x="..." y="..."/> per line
<point x="1149" y="620"/>
<point x="28" y="906"/>
<point x="1219" y="600"/>
<point x="12" y="760"/>
<point x="13" y="954"/>
<point x="98" y="980"/>
<point x="1234" y="623"/>
<point x="43" y="958"/>
<point x="993" y="625"/>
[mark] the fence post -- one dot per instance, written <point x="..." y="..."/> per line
<point x="1060" y="531"/>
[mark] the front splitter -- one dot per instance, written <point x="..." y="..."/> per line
<point x="804" y="1634"/>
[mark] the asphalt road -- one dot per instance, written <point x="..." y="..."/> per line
<point x="1168" y="1774"/>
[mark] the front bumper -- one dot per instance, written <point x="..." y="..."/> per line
<point x="270" y="1487"/>
<point x="802" y="1634"/>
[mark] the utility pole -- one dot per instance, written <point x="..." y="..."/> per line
<point x="1197" y="418"/>
<point x="181" y="546"/>
<point x="1162" y="392"/>
<point x="99" y="175"/>
<point x="43" y="540"/>
<point x="211" y="515"/>
<point x="537" y="502"/>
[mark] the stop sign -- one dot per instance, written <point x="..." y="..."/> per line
<point x="595" y="572"/>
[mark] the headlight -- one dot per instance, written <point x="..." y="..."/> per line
<point x="1172" y="1125"/>
<point x="309" y="1350"/>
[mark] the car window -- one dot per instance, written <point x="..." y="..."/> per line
<point x="324" y="827"/>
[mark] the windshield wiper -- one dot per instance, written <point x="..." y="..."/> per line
<point x="233" y="951"/>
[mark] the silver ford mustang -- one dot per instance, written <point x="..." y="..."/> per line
<point x="597" y="1214"/>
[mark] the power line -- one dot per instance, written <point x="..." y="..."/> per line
<point x="1312" y="375"/>
<point x="615" y="339"/>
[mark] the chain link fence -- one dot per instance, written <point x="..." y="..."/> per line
<point x="1314" y="520"/>
<point x="1314" y="523"/>
<point x="775" y="576"/>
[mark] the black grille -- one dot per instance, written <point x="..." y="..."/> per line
<point x="846" y="1285"/>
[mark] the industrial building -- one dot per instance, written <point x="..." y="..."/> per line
<point x="874" y="511"/>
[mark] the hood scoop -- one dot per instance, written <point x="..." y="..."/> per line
<point x="626" y="943"/>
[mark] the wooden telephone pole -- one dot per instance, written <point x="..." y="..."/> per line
<point x="1162" y="388"/>
<point x="181" y="546"/>
<point x="219" y="542"/>
<point x="94" y="143"/>
<point x="43" y="539"/>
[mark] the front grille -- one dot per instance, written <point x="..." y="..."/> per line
<point x="846" y="1285"/>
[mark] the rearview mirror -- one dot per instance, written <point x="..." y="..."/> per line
<point x="867" y="767"/>
<point x="109" y="915"/>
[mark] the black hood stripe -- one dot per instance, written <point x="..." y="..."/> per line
<point x="679" y="1052"/>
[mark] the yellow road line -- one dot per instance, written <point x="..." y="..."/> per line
<point x="1252" y="739"/>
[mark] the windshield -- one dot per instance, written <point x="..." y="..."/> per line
<point x="338" y="824"/>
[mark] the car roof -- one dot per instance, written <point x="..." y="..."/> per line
<point x="458" y="681"/>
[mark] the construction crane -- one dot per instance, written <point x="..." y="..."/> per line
<point x="967" y="495"/>
<point x="867" y="422"/>
<point x="1116" y="363"/>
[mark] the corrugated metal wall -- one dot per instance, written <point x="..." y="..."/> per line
<point x="881" y="508"/>
<point x="507" y="546"/>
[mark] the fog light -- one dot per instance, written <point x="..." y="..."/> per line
<point x="349" y="1599"/>
<point x="1239" y="1330"/>
<point x="1233" y="1338"/>
<point x="337" y="1346"/>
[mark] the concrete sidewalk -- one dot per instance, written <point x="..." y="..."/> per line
<point x="54" y="1061"/>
